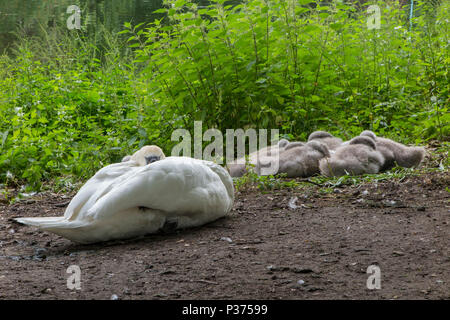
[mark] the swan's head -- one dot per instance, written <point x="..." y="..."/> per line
<point x="148" y="154"/>
<point x="126" y="158"/>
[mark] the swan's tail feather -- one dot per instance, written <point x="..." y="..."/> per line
<point x="58" y="225"/>
<point x="41" y="222"/>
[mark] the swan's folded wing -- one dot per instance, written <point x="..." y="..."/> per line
<point x="174" y="185"/>
<point x="97" y="186"/>
<point x="224" y="177"/>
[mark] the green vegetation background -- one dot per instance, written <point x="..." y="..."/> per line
<point x="72" y="101"/>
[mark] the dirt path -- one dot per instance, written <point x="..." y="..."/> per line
<point x="261" y="252"/>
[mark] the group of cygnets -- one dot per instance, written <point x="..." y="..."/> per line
<point x="330" y="156"/>
<point x="148" y="192"/>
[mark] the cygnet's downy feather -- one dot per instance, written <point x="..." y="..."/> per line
<point x="326" y="138"/>
<point x="302" y="160"/>
<point x="396" y="153"/>
<point x="239" y="167"/>
<point x="359" y="156"/>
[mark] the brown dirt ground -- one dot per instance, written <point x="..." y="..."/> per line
<point x="328" y="242"/>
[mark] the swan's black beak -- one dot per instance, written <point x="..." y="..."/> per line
<point x="151" y="159"/>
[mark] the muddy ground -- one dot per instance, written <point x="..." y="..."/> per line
<point x="318" y="248"/>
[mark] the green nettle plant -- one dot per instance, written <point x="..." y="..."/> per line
<point x="297" y="65"/>
<point x="72" y="102"/>
<point x="64" y="112"/>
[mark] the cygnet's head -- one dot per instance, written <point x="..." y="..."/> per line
<point x="364" y="140"/>
<point x="370" y="134"/>
<point x="147" y="154"/>
<point x="322" y="148"/>
<point x="319" y="135"/>
<point x="294" y="144"/>
<point x="283" y="143"/>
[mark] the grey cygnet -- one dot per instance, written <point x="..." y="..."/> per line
<point x="359" y="156"/>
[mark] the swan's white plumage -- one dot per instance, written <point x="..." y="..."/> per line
<point x="189" y="191"/>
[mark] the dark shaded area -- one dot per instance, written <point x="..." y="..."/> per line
<point x="31" y="16"/>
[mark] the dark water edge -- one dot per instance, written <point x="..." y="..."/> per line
<point x="30" y="17"/>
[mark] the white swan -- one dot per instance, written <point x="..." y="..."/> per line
<point x="127" y="199"/>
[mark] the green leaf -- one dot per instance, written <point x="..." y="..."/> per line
<point x="336" y="26"/>
<point x="315" y="98"/>
<point x="280" y="100"/>
<point x="261" y="80"/>
<point x="180" y="3"/>
<point x="310" y="28"/>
